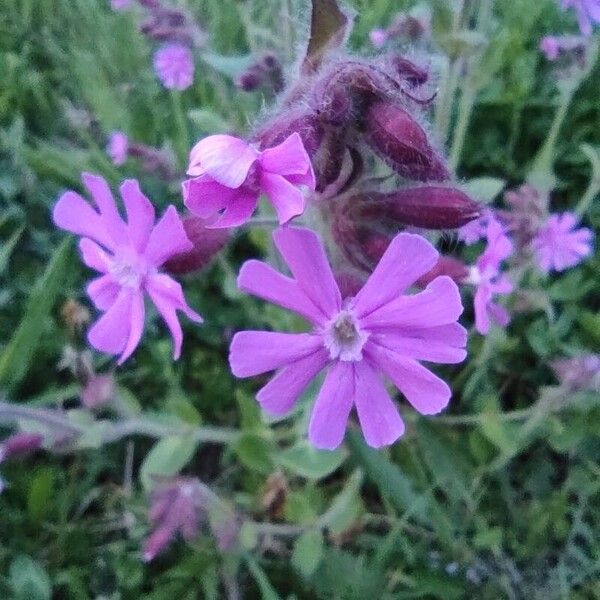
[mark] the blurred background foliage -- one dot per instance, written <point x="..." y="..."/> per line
<point x="488" y="506"/>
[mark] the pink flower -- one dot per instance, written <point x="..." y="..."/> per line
<point x="174" y="66"/>
<point x="485" y="275"/>
<point x="120" y="4"/>
<point x="118" y="148"/>
<point x="588" y="12"/>
<point x="230" y="174"/>
<point x="378" y="37"/>
<point x="128" y="256"/>
<point x="550" y="47"/>
<point x="380" y="330"/>
<point x="476" y="230"/>
<point x="559" y="246"/>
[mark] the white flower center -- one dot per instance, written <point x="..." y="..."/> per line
<point x="344" y="338"/>
<point x="129" y="269"/>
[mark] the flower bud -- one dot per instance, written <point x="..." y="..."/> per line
<point x="446" y="265"/>
<point x="303" y="122"/>
<point x="409" y="71"/>
<point x="207" y="244"/>
<point x="428" y="207"/>
<point x="402" y="143"/>
<point x="19" y="444"/>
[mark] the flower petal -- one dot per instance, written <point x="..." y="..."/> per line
<point x="255" y="352"/>
<point x="104" y="200"/>
<point x="140" y="213"/>
<point x="379" y="418"/>
<point x="307" y="261"/>
<point x="425" y="391"/>
<point x="103" y="291"/>
<point x="136" y="326"/>
<point x="407" y="258"/>
<point x="167" y="239"/>
<point x="239" y="211"/>
<point x="287" y="199"/>
<point x="483" y="297"/>
<point x="74" y="214"/>
<point x="330" y="412"/>
<point x="261" y="280"/>
<point x="111" y="332"/>
<point x="288" y="158"/>
<point x="168" y="298"/>
<point x="94" y="256"/>
<point x="225" y="158"/>
<point x="280" y="394"/>
<point x="438" y="304"/>
<point x="204" y="196"/>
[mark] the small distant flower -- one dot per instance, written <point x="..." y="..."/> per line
<point x="379" y="331"/>
<point x="229" y="174"/>
<point x="174" y="66"/>
<point x="98" y="391"/>
<point x="579" y="373"/>
<point x="486" y="276"/>
<point x="378" y="37"/>
<point x="550" y="47"/>
<point x="118" y="148"/>
<point x="128" y="256"/>
<point x="477" y="229"/>
<point x="558" y="245"/>
<point x="588" y="13"/>
<point x="120" y="4"/>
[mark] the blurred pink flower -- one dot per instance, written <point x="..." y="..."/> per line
<point x="19" y="444"/>
<point x="559" y="246"/>
<point x="128" y="256"/>
<point x="380" y="330"/>
<point x="579" y="373"/>
<point x="230" y="174"/>
<point x="378" y="37"/>
<point x="174" y="66"/>
<point x="550" y="47"/>
<point x="120" y="4"/>
<point x="486" y="276"/>
<point x="588" y="13"/>
<point x="118" y="148"/>
<point x="98" y="391"/>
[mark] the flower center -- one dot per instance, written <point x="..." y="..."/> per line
<point x="129" y="270"/>
<point x="344" y="338"/>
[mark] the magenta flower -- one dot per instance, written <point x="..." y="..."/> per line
<point x="229" y="174"/>
<point x="477" y="229"/>
<point x="174" y="66"/>
<point x="380" y="330"/>
<point x="120" y="4"/>
<point x="378" y="37"/>
<point x="128" y="256"/>
<point x="559" y="246"/>
<point x="118" y="148"/>
<point x="588" y="13"/>
<point x="550" y="47"/>
<point x="486" y="276"/>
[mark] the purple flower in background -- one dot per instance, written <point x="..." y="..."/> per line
<point x="120" y="4"/>
<point x="588" y="13"/>
<point x="486" y="276"/>
<point x="128" y="256"/>
<point x="579" y="373"/>
<point x="379" y="331"/>
<point x="20" y="444"/>
<point x="230" y="174"/>
<point x="558" y="245"/>
<point x="477" y="229"/>
<point x="118" y="148"/>
<point x="174" y="66"/>
<point x="550" y="47"/>
<point x="378" y="37"/>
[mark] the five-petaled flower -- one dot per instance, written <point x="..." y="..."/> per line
<point x="229" y="174"/>
<point x="128" y="256"/>
<point x="380" y="330"/>
<point x="489" y="281"/>
<point x="559" y="246"/>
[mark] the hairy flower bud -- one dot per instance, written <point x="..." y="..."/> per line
<point x="402" y="143"/>
<point x="429" y="207"/>
<point x="446" y="265"/>
<point x="265" y="72"/>
<point x="207" y="244"/>
<point x="409" y="71"/>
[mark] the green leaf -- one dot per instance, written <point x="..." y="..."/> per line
<point x="16" y="357"/>
<point x="7" y="248"/>
<point x="346" y="506"/>
<point x="305" y="460"/>
<point x="266" y="589"/>
<point x="231" y="66"/>
<point x="41" y="491"/>
<point x="167" y="457"/>
<point x="255" y="452"/>
<point x="28" y="580"/>
<point x="308" y="552"/>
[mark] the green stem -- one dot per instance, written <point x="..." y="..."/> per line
<point x="446" y="99"/>
<point x="182" y="139"/>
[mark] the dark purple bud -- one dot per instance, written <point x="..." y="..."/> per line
<point x="446" y="265"/>
<point x="19" y="444"/>
<point x="207" y="244"/>
<point x="429" y="207"/>
<point x="396" y="136"/>
<point x="409" y="71"/>
<point x="250" y="79"/>
<point x="303" y="122"/>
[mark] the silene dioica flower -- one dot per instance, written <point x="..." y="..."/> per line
<point x="128" y="255"/>
<point x="356" y="340"/>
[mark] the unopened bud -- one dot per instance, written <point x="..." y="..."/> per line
<point x="302" y="122"/>
<point x="409" y="71"/>
<point x="157" y="542"/>
<point x="446" y="265"/>
<point x="207" y="244"/>
<point x="396" y="136"/>
<point x="19" y="444"/>
<point x="428" y="207"/>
